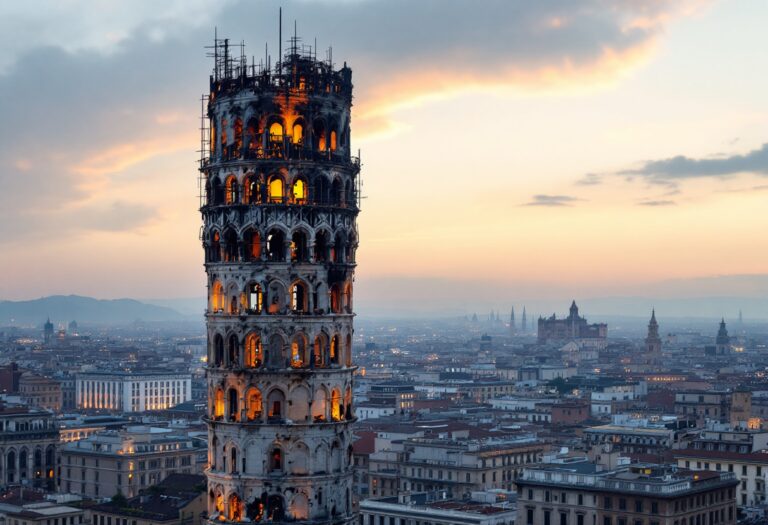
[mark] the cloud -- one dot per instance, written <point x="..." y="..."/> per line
<point x="551" y="200"/>
<point x="653" y="203"/>
<point x="670" y="170"/>
<point x="89" y="92"/>
<point x="590" y="179"/>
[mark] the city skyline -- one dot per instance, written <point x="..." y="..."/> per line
<point x="620" y="145"/>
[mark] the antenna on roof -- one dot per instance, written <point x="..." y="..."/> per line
<point x="280" y="40"/>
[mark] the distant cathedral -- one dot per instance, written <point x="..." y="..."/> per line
<point x="572" y="327"/>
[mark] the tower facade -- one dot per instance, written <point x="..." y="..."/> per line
<point x="653" y="342"/>
<point x="723" y="340"/>
<point x="279" y="207"/>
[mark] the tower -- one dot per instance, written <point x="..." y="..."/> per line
<point x="723" y="340"/>
<point x="279" y="209"/>
<point x="653" y="342"/>
<point x="512" y="327"/>
<point x="48" y="331"/>
<point x="524" y="322"/>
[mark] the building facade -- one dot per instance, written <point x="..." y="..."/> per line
<point x="29" y="444"/>
<point x="126" y="461"/>
<point x="573" y="327"/>
<point x="279" y="207"/>
<point x="40" y="391"/>
<point x="132" y="391"/>
<point x="577" y="494"/>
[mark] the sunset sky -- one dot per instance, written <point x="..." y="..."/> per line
<point x="511" y="148"/>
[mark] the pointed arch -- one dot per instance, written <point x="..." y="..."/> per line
<point x="254" y="404"/>
<point x="254" y="354"/>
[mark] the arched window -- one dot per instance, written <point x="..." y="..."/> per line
<point x="217" y="297"/>
<point x="299" y="191"/>
<point x="276" y="132"/>
<point x="347" y="200"/>
<point x="251" y="190"/>
<point x="348" y="351"/>
<point x="230" y="190"/>
<point x="335" y="299"/>
<point x="276" y="246"/>
<point x="298" y="132"/>
<point x="299" y="357"/>
<point x="299" y="297"/>
<point x="299" y="246"/>
<point x="215" y="249"/>
<point x="333" y="140"/>
<point x="252" y="137"/>
<point x="276" y="189"/>
<point x="233" y="354"/>
<point x="299" y="509"/>
<point x="253" y="352"/>
<point x="238" y="144"/>
<point x="232" y="460"/>
<point x="336" y="405"/>
<point x="218" y="191"/>
<point x="252" y="245"/>
<point x="319" y="135"/>
<point x="275" y="508"/>
<point x="233" y="414"/>
<point x="235" y="504"/>
<point x="321" y="246"/>
<point x="218" y="350"/>
<point x="334" y="350"/>
<point x="219" y="502"/>
<point x="276" y="298"/>
<point x="336" y="192"/>
<point x="320" y="405"/>
<point x="212" y="126"/>
<point x="318" y="352"/>
<point x="338" y="249"/>
<point x="255" y="299"/>
<point x="253" y="404"/>
<point x="230" y="246"/>
<point x="275" y="405"/>
<point x="218" y="404"/>
<point x="346" y="298"/>
<point x="276" y="459"/>
<point x="223" y="134"/>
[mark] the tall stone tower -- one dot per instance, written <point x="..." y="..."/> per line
<point x="653" y="342"/>
<point x="723" y="340"/>
<point x="279" y="206"/>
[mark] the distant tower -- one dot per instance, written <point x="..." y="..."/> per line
<point x="723" y="340"/>
<point x="653" y="342"/>
<point x="280" y="233"/>
<point x="512" y="327"/>
<point x="573" y="319"/>
<point x="72" y="328"/>
<point x="48" y="331"/>
<point x="524" y="323"/>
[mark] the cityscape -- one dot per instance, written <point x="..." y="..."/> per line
<point x="263" y="348"/>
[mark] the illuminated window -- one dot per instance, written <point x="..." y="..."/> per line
<point x="276" y="132"/>
<point x="299" y="246"/>
<point x="238" y="129"/>
<point x="299" y="297"/>
<point x="251" y="190"/>
<point x="334" y="351"/>
<point x="253" y="351"/>
<point x="298" y="352"/>
<point x="300" y="191"/>
<point x="319" y="134"/>
<point x="217" y="296"/>
<point x="298" y="133"/>
<point x="336" y="405"/>
<point x="214" y="254"/>
<point x="235" y="507"/>
<point x="254" y="246"/>
<point x="223" y="133"/>
<point x="255" y="298"/>
<point x="218" y="407"/>
<point x="276" y="190"/>
<point x="333" y="140"/>
<point x="254" y="401"/>
<point x="335" y="299"/>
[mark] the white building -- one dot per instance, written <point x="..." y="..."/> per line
<point x="132" y="392"/>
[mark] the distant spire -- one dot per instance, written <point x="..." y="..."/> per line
<point x="512" y="317"/>
<point x="524" y="325"/>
